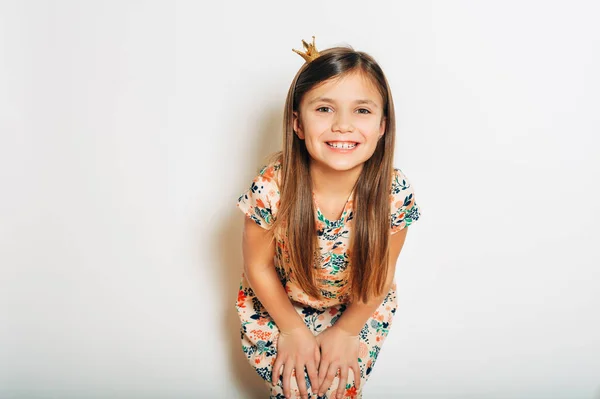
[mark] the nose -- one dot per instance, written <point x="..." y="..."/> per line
<point x="342" y="123"/>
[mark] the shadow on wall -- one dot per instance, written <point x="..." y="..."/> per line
<point x="229" y="246"/>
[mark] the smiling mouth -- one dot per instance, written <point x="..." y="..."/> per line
<point x="342" y="145"/>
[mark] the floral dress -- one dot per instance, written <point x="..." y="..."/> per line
<point x="258" y="331"/>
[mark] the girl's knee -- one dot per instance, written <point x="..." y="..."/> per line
<point x="349" y="389"/>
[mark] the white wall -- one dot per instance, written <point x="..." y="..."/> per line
<point x="128" y="129"/>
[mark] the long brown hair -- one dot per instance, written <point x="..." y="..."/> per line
<point x="368" y="250"/>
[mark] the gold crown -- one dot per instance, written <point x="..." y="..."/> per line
<point x="311" y="51"/>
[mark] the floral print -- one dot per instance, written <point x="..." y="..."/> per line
<point x="258" y="331"/>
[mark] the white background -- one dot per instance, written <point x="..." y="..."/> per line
<point x="128" y="129"/>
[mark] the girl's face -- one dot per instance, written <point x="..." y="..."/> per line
<point x="341" y="121"/>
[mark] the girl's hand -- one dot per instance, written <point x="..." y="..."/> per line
<point x="339" y="350"/>
<point x="297" y="349"/>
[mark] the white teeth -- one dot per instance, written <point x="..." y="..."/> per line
<point x="346" y="146"/>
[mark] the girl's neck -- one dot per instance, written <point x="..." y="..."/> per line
<point x="332" y="183"/>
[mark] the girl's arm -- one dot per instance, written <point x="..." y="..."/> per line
<point x="259" y="249"/>
<point x="297" y="347"/>
<point x="339" y="343"/>
<point x="356" y="315"/>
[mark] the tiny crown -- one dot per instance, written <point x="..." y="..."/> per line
<point x="311" y="51"/>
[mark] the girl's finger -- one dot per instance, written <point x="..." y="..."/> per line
<point x="356" y="373"/>
<point x="301" y="381"/>
<point x="343" y="378"/>
<point x="287" y="378"/>
<point x="326" y="384"/>
<point x="323" y="367"/>
<point x="313" y="377"/>
<point x="276" y="370"/>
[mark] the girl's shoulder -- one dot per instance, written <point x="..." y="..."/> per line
<point x="271" y="170"/>
<point x="404" y="207"/>
<point x="260" y="202"/>
<point x="399" y="180"/>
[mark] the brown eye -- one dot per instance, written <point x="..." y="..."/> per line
<point x="364" y="109"/>
<point x="322" y="108"/>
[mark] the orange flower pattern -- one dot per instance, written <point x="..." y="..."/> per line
<point x="258" y="331"/>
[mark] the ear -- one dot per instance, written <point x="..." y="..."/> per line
<point x="297" y="126"/>
<point x="382" y="126"/>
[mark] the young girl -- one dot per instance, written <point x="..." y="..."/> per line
<point x="327" y="219"/>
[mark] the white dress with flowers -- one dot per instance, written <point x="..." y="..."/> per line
<point x="258" y="331"/>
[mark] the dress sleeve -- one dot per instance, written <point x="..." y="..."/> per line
<point x="404" y="209"/>
<point x="261" y="201"/>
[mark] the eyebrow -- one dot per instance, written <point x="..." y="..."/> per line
<point x="330" y="100"/>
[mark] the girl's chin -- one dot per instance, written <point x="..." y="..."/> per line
<point x="340" y="166"/>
